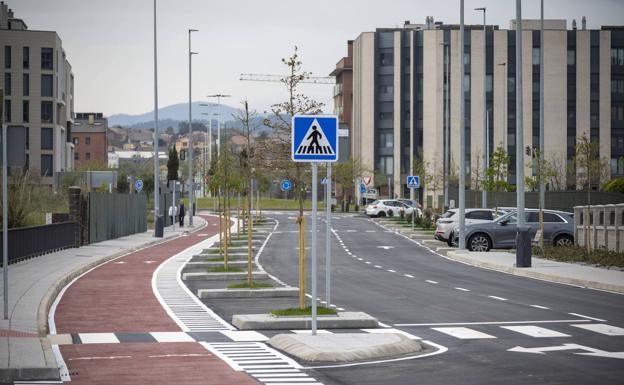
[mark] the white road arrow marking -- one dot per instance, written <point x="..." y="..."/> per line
<point x="385" y="247"/>
<point x="149" y="261"/>
<point x="593" y="352"/>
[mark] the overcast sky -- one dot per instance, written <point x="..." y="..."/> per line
<point x="109" y="42"/>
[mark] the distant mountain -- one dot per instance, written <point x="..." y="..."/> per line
<point x="172" y="115"/>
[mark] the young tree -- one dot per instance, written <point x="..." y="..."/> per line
<point x="591" y="171"/>
<point x="496" y="174"/>
<point x="279" y="156"/>
<point x="422" y="168"/>
<point x="345" y="174"/>
<point x="542" y="170"/>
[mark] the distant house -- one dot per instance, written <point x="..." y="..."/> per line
<point x="89" y="138"/>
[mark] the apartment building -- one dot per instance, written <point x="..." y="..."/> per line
<point x="89" y="138"/>
<point x="399" y="89"/>
<point x="38" y="87"/>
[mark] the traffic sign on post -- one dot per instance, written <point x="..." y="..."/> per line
<point x="362" y="188"/>
<point x="314" y="138"/>
<point x="285" y="185"/>
<point x="324" y="180"/>
<point x="413" y="181"/>
<point x="138" y="185"/>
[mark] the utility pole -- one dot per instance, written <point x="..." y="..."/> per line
<point x="485" y="128"/>
<point x="542" y="185"/>
<point x="190" y="141"/>
<point x="219" y="96"/>
<point x="447" y="131"/>
<point x="158" y="219"/>
<point x="462" y="132"/>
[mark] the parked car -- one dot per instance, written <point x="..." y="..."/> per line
<point x="387" y="207"/>
<point x="410" y="202"/>
<point x="449" y="220"/>
<point x="501" y="233"/>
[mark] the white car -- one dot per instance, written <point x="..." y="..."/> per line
<point x="449" y="221"/>
<point x="387" y="208"/>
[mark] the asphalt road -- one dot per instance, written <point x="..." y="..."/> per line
<point x="476" y="313"/>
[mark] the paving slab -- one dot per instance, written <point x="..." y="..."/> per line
<point x="344" y="347"/>
<point x="343" y="320"/>
<point x="249" y="293"/>
<point x="205" y="276"/>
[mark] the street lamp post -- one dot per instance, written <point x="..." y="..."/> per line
<point x="542" y="185"/>
<point x="447" y="133"/>
<point x="219" y="96"/>
<point x="485" y="127"/>
<point x="505" y="100"/>
<point x="158" y="219"/>
<point x="462" y="132"/>
<point x="190" y="147"/>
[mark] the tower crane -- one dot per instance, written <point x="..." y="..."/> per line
<point x="281" y="78"/>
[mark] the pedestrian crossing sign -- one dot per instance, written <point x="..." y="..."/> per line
<point x="314" y="138"/>
<point x="413" y="181"/>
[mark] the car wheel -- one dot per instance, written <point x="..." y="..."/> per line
<point x="390" y="213"/>
<point x="479" y="242"/>
<point x="381" y="214"/>
<point x="564" y="241"/>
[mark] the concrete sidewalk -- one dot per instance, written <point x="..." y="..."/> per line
<point x="545" y="269"/>
<point x="25" y="352"/>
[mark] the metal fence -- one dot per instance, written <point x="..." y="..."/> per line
<point x="116" y="215"/>
<point x="28" y="242"/>
<point x="600" y="225"/>
<point x="555" y="200"/>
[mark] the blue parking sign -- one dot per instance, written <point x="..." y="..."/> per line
<point x="138" y="184"/>
<point x="285" y="185"/>
<point x="314" y="138"/>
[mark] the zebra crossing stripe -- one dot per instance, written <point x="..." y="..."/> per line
<point x="535" y="331"/>
<point x="463" y="333"/>
<point x="602" y="329"/>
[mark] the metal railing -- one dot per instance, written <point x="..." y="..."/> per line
<point x="28" y="242"/>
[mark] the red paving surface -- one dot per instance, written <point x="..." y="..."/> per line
<point x="148" y="363"/>
<point x="118" y="297"/>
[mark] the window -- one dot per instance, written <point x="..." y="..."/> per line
<point x="488" y="83"/>
<point x="571" y="57"/>
<point x="466" y="83"/>
<point x="480" y="214"/>
<point x="386" y="116"/>
<point x="26" y="84"/>
<point x="536" y="56"/>
<point x="47" y="58"/>
<point x="87" y="156"/>
<point x="25" y="111"/>
<point x="88" y="140"/>
<point x="76" y="156"/>
<point x="7" y="56"/>
<point x="7" y="83"/>
<point x="386" y="59"/>
<point x="386" y="140"/>
<point x="386" y="165"/>
<point x="46" y="138"/>
<point x="76" y="141"/>
<point x="7" y="110"/>
<point x="386" y="89"/>
<point x="550" y="217"/>
<point x="511" y="84"/>
<point x="617" y="112"/>
<point x="25" y="57"/>
<point x="532" y="217"/>
<point x="617" y="56"/>
<point x="46" y="112"/>
<point x="617" y="86"/>
<point x="47" y="87"/>
<point x="466" y="58"/>
<point x="46" y="165"/>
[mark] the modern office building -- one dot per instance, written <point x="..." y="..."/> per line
<point x="343" y="99"/>
<point x="399" y="88"/>
<point x="38" y="87"/>
<point x="89" y="138"/>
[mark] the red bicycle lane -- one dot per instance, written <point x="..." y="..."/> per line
<point x="117" y="297"/>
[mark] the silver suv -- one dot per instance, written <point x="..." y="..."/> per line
<point x="501" y="233"/>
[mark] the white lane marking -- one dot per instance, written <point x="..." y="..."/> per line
<point x="319" y="331"/>
<point x="391" y="331"/>
<point x="588" y="317"/>
<point x="268" y="376"/>
<point x="340" y="309"/>
<point x="97" y="358"/>
<point x="535" y="331"/>
<point x="433" y="282"/>
<point x="172" y="337"/>
<point x="461" y="289"/>
<point x="120" y="262"/>
<point x="244" y="335"/>
<point x="98" y="338"/>
<point x="391" y="271"/>
<point x="602" y="329"/>
<point x="148" y="262"/>
<point x="351" y="231"/>
<point x="463" y="333"/>
<point x="496" y="323"/>
<point x="360" y="259"/>
<point x="385" y="247"/>
<point x="408" y="275"/>
<point x="497" y="298"/>
<point x="60" y="362"/>
<point x="347" y="250"/>
<point x="181" y="355"/>
<point x="540" y="307"/>
<point x="377" y="266"/>
<point x="383" y="325"/>
<point x="368" y="262"/>
<point x="273" y="371"/>
<point x="371" y="231"/>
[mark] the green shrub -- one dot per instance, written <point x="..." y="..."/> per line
<point x="614" y="185"/>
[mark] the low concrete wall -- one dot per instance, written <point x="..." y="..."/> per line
<point x="601" y="225"/>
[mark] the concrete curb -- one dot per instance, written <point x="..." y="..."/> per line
<point x="205" y="276"/>
<point x="344" y="320"/>
<point x="527" y="272"/>
<point x="276" y="292"/>
<point x="46" y="303"/>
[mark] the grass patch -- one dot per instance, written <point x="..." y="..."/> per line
<point x="295" y="311"/>
<point x="254" y="285"/>
<point x="215" y="259"/>
<point x="601" y="257"/>
<point x="222" y="269"/>
<point x="265" y="204"/>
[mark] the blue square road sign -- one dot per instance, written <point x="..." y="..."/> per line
<point x="413" y="181"/>
<point x="314" y="138"/>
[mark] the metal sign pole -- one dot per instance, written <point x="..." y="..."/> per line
<point x="328" y="194"/>
<point x="5" y="224"/>
<point x="173" y="204"/>
<point x="314" y="204"/>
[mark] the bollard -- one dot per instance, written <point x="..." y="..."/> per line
<point x="523" y="247"/>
